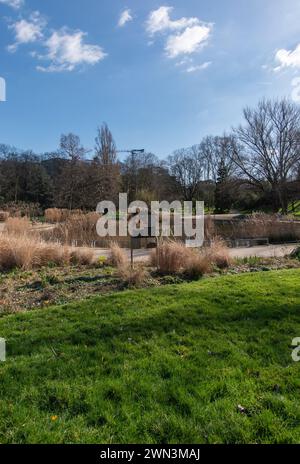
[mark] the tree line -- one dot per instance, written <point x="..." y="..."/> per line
<point x="257" y="166"/>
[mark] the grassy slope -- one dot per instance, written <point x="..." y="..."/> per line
<point x="158" y="365"/>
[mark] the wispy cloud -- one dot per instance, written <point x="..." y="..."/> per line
<point x="183" y="37"/>
<point x="125" y="17"/>
<point x="199" y="67"/>
<point x="16" y="4"/>
<point x="66" y="50"/>
<point x="27" y="31"/>
<point x="187" y="42"/>
<point x="288" y="58"/>
<point x="159" y="21"/>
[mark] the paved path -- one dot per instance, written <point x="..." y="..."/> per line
<point x="37" y="226"/>
<point x="260" y="251"/>
<point x="263" y="251"/>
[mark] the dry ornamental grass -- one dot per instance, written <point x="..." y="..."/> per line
<point x="17" y="226"/>
<point x="30" y="253"/>
<point x="118" y="257"/>
<point x="133" y="277"/>
<point x="173" y="257"/>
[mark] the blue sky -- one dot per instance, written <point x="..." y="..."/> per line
<point x="162" y="74"/>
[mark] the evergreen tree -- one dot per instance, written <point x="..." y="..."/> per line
<point x="222" y="196"/>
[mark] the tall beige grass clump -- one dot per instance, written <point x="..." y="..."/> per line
<point x="218" y="254"/>
<point x="197" y="264"/>
<point x="17" y="225"/>
<point x="173" y="257"/>
<point x="169" y="257"/>
<point x="118" y="256"/>
<point x="132" y="277"/>
<point x="56" y="215"/>
<point x="82" y="256"/>
<point x="31" y="252"/>
<point x="17" y="252"/>
<point x="53" y="215"/>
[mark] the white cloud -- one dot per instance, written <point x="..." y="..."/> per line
<point x="200" y="67"/>
<point x="159" y="21"/>
<point x="125" y="18"/>
<point x="67" y="50"/>
<point x="27" y="31"/>
<point x="288" y="58"/>
<point x="184" y="36"/>
<point x="13" y="3"/>
<point x="187" y="42"/>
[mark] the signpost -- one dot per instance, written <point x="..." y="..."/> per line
<point x="135" y="244"/>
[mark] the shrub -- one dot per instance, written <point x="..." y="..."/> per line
<point x="18" y="226"/>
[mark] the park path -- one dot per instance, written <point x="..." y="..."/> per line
<point x="269" y="251"/>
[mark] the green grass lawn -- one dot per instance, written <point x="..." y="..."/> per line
<point x="160" y="365"/>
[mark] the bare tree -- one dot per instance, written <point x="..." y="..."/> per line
<point x="216" y="152"/>
<point x="106" y="167"/>
<point x="269" y="147"/>
<point x="71" y="147"/>
<point x="145" y="177"/>
<point x="106" y="152"/>
<point x="186" y="166"/>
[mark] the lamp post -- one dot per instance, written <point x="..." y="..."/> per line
<point x="133" y="153"/>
